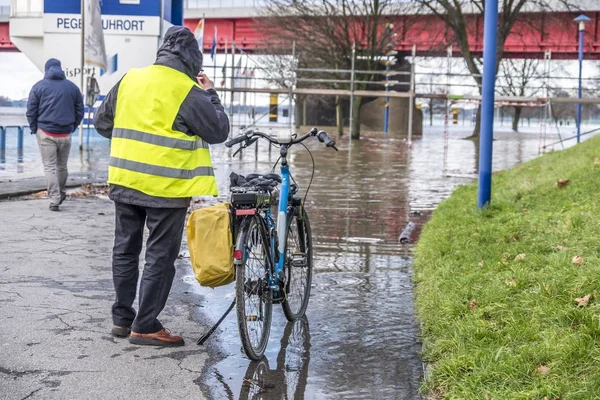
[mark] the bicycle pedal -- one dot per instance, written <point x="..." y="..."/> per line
<point x="299" y="260"/>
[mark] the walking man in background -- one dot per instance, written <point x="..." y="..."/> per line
<point x="160" y="120"/>
<point x="54" y="111"/>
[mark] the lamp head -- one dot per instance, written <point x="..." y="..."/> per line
<point x="581" y="20"/>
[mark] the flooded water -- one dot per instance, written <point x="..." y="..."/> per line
<point x="26" y="163"/>
<point x="360" y="339"/>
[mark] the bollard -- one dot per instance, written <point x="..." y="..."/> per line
<point x="2" y="138"/>
<point x="20" y="131"/>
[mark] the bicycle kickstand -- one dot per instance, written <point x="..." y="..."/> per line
<point x="205" y="337"/>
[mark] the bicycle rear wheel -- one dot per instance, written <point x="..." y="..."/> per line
<point x="254" y="298"/>
<point x="298" y="265"/>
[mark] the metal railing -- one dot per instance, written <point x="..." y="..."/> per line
<point x="199" y="4"/>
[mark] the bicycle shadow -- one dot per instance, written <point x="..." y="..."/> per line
<point x="288" y="379"/>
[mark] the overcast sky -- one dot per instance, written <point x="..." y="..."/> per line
<point x="17" y="75"/>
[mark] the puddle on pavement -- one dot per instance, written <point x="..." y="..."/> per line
<point x="360" y="338"/>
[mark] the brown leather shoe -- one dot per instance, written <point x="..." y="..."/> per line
<point x="160" y="338"/>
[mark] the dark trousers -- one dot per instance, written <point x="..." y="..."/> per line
<point x="162" y="248"/>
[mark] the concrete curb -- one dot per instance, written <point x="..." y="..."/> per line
<point x="23" y="187"/>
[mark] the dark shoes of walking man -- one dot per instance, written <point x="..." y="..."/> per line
<point x="160" y="120"/>
<point x="54" y="111"/>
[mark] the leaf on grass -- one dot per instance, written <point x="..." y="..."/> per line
<point x="473" y="304"/>
<point x="486" y="397"/>
<point x="577" y="260"/>
<point x="516" y="236"/>
<point x="561" y="183"/>
<point x="583" y="301"/>
<point x="520" y="257"/>
<point x="543" y="370"/>
<point x="511" y="282"/>
<point x="525" y="209"/>
<point x="480" y="264"/>
<point x="596" y="160"/>
<point x="560" y="248"/>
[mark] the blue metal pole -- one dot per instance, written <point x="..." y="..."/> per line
<point x="487" y="102"/>
<point x="20" y="133"/>
<point x="2" y="138"/>
<point x="386" y="116"/>
<point x="580" y="71"/>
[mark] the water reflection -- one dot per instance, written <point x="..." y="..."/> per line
<point x="288" y="378"/>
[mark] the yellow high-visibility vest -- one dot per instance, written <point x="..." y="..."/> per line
<point x="146" y="154"/>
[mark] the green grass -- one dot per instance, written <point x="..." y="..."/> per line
<point x="489" y="322"/>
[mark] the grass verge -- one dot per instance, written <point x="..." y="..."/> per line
<point x="502" y="293"/>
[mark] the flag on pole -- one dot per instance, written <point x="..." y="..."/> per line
<point x="94" y="49"/>
<point x="213" y="47"/>
<point x="199" y="34"/>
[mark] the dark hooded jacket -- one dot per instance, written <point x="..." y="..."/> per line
<point x="55" y="104"/>
<point x="201" y="113"/>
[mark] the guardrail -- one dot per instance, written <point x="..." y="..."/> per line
<point x="20" y="134"/>
<point x="192" y="4"/>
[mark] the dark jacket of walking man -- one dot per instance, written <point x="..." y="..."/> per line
<point x="54" y="111"/>
<point x="161" y="120"/>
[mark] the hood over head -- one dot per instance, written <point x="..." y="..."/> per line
<point x="180" y="51"/>
<point x="53" y="70"/>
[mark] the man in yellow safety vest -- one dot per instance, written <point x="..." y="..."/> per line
<point x="160" y="120"/>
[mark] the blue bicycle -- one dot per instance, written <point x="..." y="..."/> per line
<point x="273" y="261"/>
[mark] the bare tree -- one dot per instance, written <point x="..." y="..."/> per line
<point x="325" y="33"/>
<point x="518" y="78"/>
<point x="562" y="112"/>
<point x="455" y="15"/>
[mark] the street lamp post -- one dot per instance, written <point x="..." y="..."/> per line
<point x="386" y="116"/>
<point x="581" y="20"/>
<point x="487" y="102"/>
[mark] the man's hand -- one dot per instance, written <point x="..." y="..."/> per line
<point x="205" y="82"/>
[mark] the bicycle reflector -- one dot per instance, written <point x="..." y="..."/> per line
<point x="245" y="212"/>
<point x="238" y="254"/>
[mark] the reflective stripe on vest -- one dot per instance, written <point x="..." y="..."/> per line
<point x="160" y="171"/>
<point x="146" y="153"/>
<point x="159" y="140"/>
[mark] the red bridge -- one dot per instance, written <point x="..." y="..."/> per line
<point x="532" y="35"/>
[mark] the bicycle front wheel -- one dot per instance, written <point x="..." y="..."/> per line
<point x="298" y="265"/>
<point x="254" y="298"/>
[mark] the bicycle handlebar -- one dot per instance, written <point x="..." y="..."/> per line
<point x="249" y="134"/>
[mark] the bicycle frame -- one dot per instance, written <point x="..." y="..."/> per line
<point x="282" y="215"/>
<point x="281" y="228"/>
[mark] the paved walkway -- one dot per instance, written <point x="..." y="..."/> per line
<point x="55" y="297"/>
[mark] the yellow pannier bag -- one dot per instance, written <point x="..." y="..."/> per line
<point x="211" y="245"/>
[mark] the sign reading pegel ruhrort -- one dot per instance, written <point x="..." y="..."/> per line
<point x="111" y="24"/>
